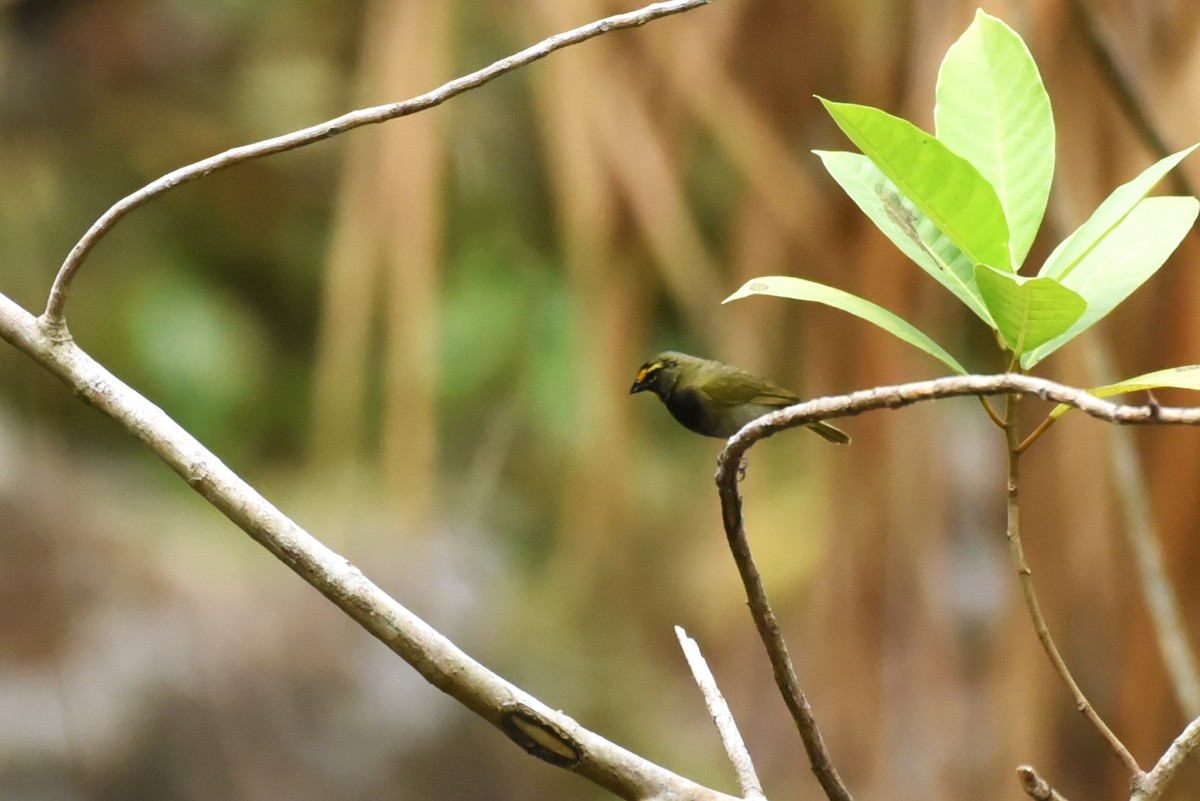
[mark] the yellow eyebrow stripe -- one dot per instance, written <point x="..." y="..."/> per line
<point x="647" y="370"/>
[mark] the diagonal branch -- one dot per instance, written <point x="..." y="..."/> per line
<point x="52" y="318"/>
<point x="545" y="733"/>
<point x="718" y="707"/>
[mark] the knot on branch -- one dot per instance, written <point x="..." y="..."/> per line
<point x="540" y="737"/>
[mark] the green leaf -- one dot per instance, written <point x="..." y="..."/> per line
<point x="1122" y="261"/>
<point x="942" y="184"/>
<point x="906" y="226"/>
<point x="1107" y="216"/>
<point x="1185" y="377"/>
<point x="783" y="286"/>
<point x="993" y="110"/>
<point x="1027" y="311"/>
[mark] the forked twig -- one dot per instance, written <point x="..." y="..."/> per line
<point x="889" y="397"/>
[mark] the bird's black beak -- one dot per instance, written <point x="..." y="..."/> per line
<point x="638" y="386"/>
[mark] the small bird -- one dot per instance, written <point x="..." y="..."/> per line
<point x="714" y="399"/>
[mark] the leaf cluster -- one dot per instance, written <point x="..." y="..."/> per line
<point x="966" y="203"/>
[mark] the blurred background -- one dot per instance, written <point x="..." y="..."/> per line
<point x="417" y="340"/>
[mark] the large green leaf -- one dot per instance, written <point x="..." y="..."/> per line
<point x="993" y="110"/>
<point x="1027" y="311"/>
<point x="1122" y="261"/>
<point x="906" y="225"/>
<point x="784" y="286"/>
<point x="1185" y="377"/>
<point x="942" y="184"/>
<point x="1107" y="216"/>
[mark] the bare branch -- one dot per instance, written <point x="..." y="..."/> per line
<point x="768" y="630"/>
<point x="731" y="738"/>
<point x="889" y="397"/>
<point x="52" y="318"/>
<point x="1151" y="786"/>
<point x="546" y="733"/>
<point x="900" y="395"/>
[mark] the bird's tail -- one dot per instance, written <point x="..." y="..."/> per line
<point x="831" y="433"/>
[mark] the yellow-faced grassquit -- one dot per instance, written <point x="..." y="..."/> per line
<point x="714" y="399"/>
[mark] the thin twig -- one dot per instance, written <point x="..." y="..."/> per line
<point x="991" y="412"/>
<point x="1035" y="786"/>
<point x="1035" y="434"/>
<point x="52" y="318"/>
<point x="1025" y="577"/>
<point x="731" y="738"/>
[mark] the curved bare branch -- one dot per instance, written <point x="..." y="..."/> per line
<point x="52" y="317"/>
<point x="730" y="462"/>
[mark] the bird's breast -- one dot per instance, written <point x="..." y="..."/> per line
<point x="688" y="408"/>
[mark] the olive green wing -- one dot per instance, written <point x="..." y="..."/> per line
<point x="736" y="387"/>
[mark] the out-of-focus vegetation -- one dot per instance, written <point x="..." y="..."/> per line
<point x="417" y="339"/>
